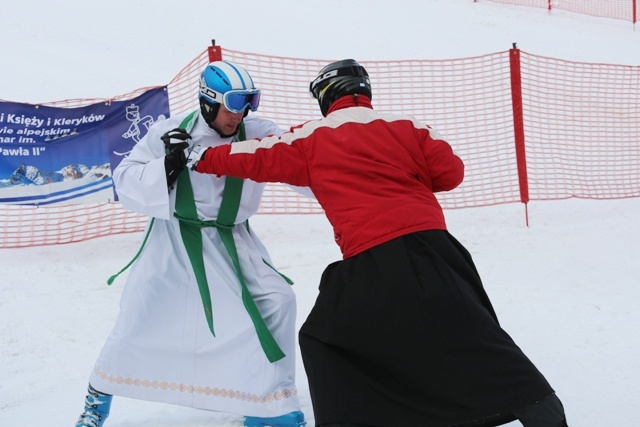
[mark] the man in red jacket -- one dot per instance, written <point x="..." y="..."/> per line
<point x="402" y="332"/>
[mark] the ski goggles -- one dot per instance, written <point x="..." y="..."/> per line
<point x="236" y="100"/>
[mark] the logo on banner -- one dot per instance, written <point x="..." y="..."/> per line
<point x="139" y="125"/>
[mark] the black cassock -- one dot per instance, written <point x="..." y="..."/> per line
<point x="404" y="335"/>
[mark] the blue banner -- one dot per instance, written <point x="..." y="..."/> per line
<point x="54" y="155"/>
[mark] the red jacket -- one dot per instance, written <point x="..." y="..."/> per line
<point x="374" y="174"/>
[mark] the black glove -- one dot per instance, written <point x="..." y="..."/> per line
<point x="175" y="142"/>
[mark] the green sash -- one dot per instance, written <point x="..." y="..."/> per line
<point x="190" y="230"/>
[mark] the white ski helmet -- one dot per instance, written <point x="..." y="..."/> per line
<point x="228" y="84"/>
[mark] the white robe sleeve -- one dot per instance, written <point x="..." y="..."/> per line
<point x="140" y="178"/>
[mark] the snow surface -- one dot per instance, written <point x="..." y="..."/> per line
<point x="565" y="288"/>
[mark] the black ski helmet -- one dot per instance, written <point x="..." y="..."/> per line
<point x="338" y="79"/>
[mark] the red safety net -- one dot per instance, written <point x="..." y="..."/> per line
<point x="615" y="9"/>
<point x="527" y="127"/>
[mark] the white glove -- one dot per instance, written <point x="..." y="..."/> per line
<point x="195" y="154"/>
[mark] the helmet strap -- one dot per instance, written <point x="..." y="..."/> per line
<point x="227" y="136"/>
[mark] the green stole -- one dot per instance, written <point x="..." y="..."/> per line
<point x="190" y="230"/>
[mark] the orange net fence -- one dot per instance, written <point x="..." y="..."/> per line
<point x="527" y="127"/>
<point x="626" y="10"/>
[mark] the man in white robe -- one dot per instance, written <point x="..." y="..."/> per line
<point x="162" y="347"/>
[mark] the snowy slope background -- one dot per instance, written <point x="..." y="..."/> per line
<point x="566" y="288"/>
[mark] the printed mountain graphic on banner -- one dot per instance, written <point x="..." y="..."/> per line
<point x="31" y="175"/>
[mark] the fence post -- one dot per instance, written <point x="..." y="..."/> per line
<point x="518" y="127"/>
<point x="215" y="52"/>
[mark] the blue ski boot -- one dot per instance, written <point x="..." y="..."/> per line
<point x="96" y="409"/>
<point x="292" y="419"/>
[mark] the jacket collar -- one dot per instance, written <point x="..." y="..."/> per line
<point x="347" y="101"/>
